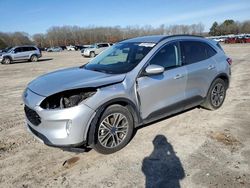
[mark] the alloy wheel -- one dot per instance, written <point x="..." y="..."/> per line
<point x="218" y="94"/>
<point x="113" y="130"/>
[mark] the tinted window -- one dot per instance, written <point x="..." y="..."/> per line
<point x="27" y="49"/>
<point x="195" y="51"/>
<point x="17" y="50"/>
<point x="102" y="45"/>
<point x="32" y="48"/>
<point x="168" y="56"/>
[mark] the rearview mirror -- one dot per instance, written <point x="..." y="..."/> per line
<point x="154" y="69"/>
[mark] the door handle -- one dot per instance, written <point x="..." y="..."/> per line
<point x="210" y="67"/>
<point x="178" y="76"/>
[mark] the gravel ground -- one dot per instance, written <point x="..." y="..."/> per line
<point x="198" y="148"/>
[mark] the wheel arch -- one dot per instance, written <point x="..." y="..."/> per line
<point x="224" y="77"/>
<point x="32" y="55"/>
<point x="8" y="56"/>
<point x="120" y="101"/>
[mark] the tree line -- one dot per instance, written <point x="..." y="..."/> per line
<point x="75" y="35"/>
<point x="229" y="27"/>
<point x="13" y="39"/>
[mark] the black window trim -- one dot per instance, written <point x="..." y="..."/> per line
<point x="165" y="44"/>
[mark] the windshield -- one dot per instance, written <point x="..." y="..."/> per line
<point x="8" y="49"/>
<point x="120" y="58"/>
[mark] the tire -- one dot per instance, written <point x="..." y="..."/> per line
<point x="33" y="58"/>
<point x="216" y="95"/>
<point x="113" y="130"/>
<point x="92" y="54"/>
<point x="6" y="60"/>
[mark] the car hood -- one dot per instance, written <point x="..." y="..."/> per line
<point x="2" y="53"/>
<point x="71" y="78"/>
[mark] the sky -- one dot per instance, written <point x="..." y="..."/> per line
<point x="37" y="16"/>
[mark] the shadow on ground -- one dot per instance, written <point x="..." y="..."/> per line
<point x="45" y="59"/>
<point x="162" y="168"/>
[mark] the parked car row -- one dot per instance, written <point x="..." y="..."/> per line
<point x="237" y="40"/>
<point x="68" y="48"/>
<point x="229" y="39"/>
<point x="20" y="53"/>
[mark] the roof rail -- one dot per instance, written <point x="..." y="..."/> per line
<point x="181" y="35"/>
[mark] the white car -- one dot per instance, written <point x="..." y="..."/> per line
<point x="95" y="49"/>
<point x="70" y="48"/>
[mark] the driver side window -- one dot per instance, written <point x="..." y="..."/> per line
<point x="168" y="56"/>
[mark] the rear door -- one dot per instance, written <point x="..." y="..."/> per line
<point x="162" y="94"/>
<point x="27" y="52"/>
<point x="201" y="68"/>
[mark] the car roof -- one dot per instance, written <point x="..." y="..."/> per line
<point x="24" y="46"/>
<point x="156" y="38"/>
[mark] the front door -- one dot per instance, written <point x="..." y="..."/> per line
<point x="162" y="94"/>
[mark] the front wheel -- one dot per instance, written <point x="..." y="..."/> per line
<point x="216" y="95"/>
<point x="114" y="130"/>
<point x="6" y="60"/>
<point x="92" y="54"/>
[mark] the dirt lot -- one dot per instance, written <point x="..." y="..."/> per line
<point x="198" y="148"/>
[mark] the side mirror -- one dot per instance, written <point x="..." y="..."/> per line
<point x="154" y="69"/>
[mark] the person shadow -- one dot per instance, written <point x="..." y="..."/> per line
<point x="162" y="168"/>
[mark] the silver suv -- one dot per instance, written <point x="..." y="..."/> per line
<point x="20" y="53"/>
<point x="132" y="83"/>
<point x="95" y="49"/>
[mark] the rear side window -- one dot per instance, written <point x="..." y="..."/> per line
<point x="195" y="51"/>
<point x="168" y="56"/>
<point x="32" y="48"/>
<point x="26" y="49"/>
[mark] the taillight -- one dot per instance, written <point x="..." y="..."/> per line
<point x="229" y="61"/>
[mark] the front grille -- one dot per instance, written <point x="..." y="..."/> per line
<point x="32" y="116"/>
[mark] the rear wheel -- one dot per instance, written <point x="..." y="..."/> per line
<point x="114" y="130"/>
<point x="6" y="60"/>
<point x="92" y="54"/>
<point x="33" y="58"/>
<point x="216" y="95"/>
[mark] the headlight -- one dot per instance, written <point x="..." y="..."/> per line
<point x="67" y="99"/>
